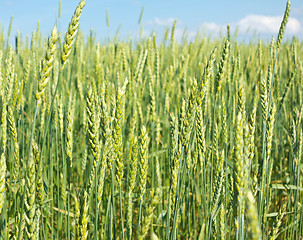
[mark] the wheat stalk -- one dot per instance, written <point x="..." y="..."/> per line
<point x="2" y="181"/>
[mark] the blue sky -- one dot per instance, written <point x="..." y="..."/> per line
<point x="261" y="17"/>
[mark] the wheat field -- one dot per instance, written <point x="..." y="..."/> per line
<point x="150" y="138"/>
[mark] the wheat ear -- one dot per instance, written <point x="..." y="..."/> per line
<point x="283" y="23"/>
<point x="93" y="140"/>
<point x="13" y="132"/>
<point x="47" y="65"/>
<point x="30" y="200"/>
<point x="143" y="164"/>
<point x="84" y="218"/>
<point x="71" y="33"/>
<point x="148" y="219"/>
<point x="223" y="61"/>
<point x="132" y="183"/>
<point x="238" y="171"/>
<point x="253" y="226"/>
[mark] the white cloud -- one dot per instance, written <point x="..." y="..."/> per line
<point x="212" y="27"/>
<point x="267" y="24"/>
<point x="183" y="32"/>
<point x="252" y="23"/>
<point x="164" y="22"/>
<point x="145" y="33"/>
<point x="167" y="22"/>
<point x="259" y="23"/>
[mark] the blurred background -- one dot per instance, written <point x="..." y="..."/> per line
<point x="250" y="20"/>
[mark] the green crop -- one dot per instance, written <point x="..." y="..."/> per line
<point x="150" y="140"/>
